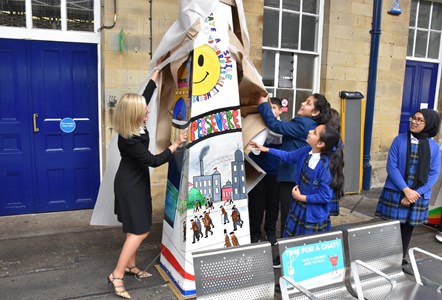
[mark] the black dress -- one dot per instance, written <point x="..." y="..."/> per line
<point x="133" y="200"/>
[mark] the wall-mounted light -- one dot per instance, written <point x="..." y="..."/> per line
<point x="395" y="8"/>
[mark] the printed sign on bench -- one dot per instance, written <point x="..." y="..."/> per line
<point x="314" y="265"/>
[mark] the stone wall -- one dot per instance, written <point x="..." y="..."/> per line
<point x="125" y="67"/>
<point x="345" y="63"/>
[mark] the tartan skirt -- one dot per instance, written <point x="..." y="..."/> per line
<point x="296" y="224"/>
<point x="334" y="207"/>
<point x="389" y="208"/>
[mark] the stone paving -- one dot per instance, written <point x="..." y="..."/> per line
<point x="59" y="256"/>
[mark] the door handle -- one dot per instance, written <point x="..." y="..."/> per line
<point x="34" y="117"/>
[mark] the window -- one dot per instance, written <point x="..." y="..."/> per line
<point x="80" y="15"/>
<point x="425" y="28"/>
<point x="13" y="13"/>
<point x="72" y="15"/>
<point x="291" y="50"/>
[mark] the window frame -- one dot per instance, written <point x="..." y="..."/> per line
<point x="295" y="54"/>
<point x="58" y="35"/>
<point x="428" y="30"/>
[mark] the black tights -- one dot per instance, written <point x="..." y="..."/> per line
<point x="406" y="231"/>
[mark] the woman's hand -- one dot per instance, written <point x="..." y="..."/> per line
<point x="159" y="61"/>
<point x="156" y="70"/>
<point x="256" y="146"/>
<point x="182" y="138"/>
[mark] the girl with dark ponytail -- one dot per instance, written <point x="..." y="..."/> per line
<point x="313" y="111"/>
<point x="323" y="107"/>
<point x="320" y="177"/>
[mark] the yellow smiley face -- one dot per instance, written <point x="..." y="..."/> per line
<point x="206" y="70"/>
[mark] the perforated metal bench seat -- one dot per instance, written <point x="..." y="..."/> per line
<point x="334" y="291"/>
<point x="234" y="273"/>
<point x="430" y="270"/>
<point x="313" y="267"/>
<point x="376" y="250"/>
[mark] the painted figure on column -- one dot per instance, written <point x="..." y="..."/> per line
<point x="225" y="218"/>
<point x="227" y="242"/>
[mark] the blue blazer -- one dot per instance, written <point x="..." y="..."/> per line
<point x="396" y="162"/>
<point x="319" y="193"/>
<point x="294" y="133"/>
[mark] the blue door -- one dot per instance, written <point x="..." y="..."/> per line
<point x="43" y="166"/>
<point x="419" y="89"/>
<point x="16" y="176"/>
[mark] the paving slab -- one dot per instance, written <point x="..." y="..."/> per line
<point x="60" y="256"/>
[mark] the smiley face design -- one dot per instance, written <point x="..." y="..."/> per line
<point x="206" y="70"/>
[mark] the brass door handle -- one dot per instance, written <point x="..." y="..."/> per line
<point x="34" y="117"/>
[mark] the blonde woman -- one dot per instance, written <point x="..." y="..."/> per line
<point x="133" y="201"/>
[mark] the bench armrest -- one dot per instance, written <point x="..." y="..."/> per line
<point x="354" y="271"/>
<point x="297" y="286"/>
<point x="374" y="270"/>
<point x="414" y="264"/>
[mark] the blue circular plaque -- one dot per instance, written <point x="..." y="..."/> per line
<point x="67" y="125"/>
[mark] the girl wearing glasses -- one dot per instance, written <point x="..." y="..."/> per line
<point x="412" y="168"/>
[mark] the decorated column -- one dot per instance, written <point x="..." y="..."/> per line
<point x="206" y="198"/>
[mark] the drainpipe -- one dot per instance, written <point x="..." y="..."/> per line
<point x="371" y="91"/>
<point x="150" y="28"/>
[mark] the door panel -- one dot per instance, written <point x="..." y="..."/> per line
<point x="45" y="169"/>
<point x="67" y="164"/>
<point x="16" y="180"/>
<point x="419" y="88"/>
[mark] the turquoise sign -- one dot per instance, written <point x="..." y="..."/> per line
<point x="314" y="263"/>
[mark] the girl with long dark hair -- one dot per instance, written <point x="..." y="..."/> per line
<point x="320" y="177"/>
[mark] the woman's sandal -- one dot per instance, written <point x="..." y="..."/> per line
<point x="119" y="290"/>
<point x="139" y="274"/>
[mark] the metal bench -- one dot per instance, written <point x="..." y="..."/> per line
<point x="313" y="267"/>
<point x="374" y="264"/>
<point x="426" y="271"/>
<point x="243" y="272"/>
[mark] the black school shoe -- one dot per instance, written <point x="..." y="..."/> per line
<point x="272" y="240"/>
<point x="255" y="240"/>
<point x="277" y="263"/>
